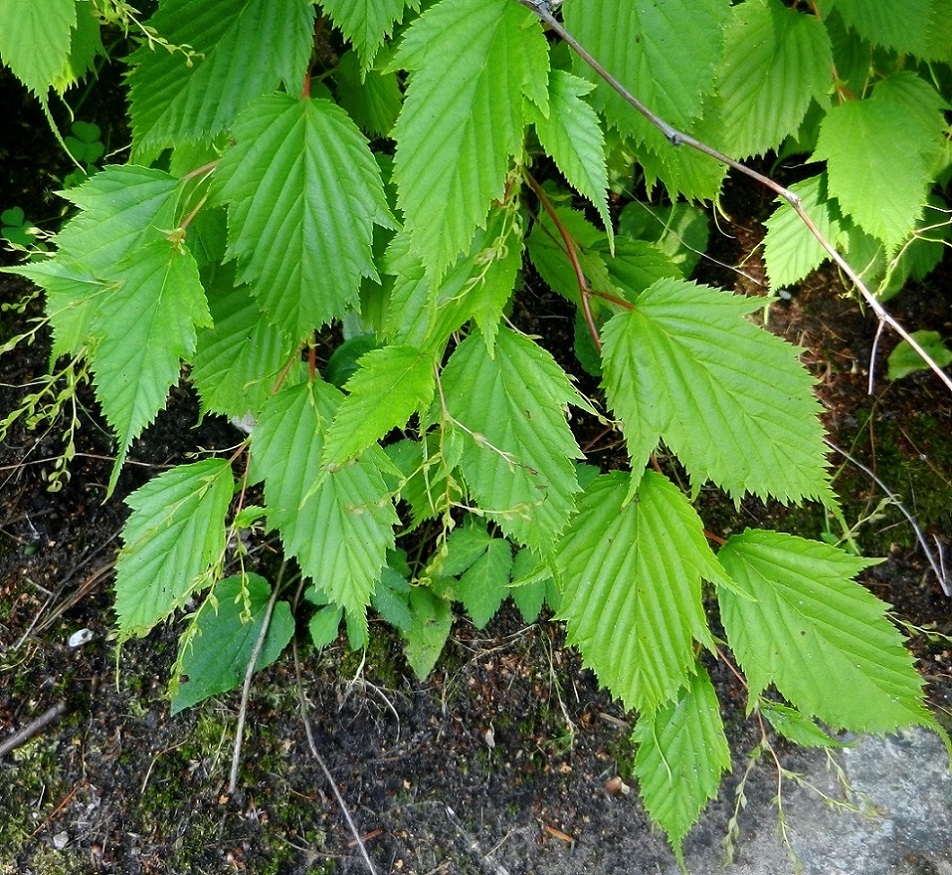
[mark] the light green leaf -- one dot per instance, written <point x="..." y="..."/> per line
<point x="303" y="192"/>
<point x="878" y="154"/>
<point x="729" y="398"/>
<point x="529" y="579"/>
<point x="821" y="639"/>
<point x="904" y="360"/>
<point x="366" y="23"/>
<point x="664" y="53"/>
<point x="337" y="524"/>
<point x="145" y="328"/>
<point x="35" y="40"/>
<point x="482" y="586"/>
<point x="216" y="659"/>
<point x="572" y="135"/>
<point x="175" y="532"/>
<point x="428" y="486"/>
<point x="902" y="25"/>
<point x="373" y="99"/>
<point x="790" y="250"/>
<point x="84" y="45"/>
<point x="466" y="543"/>
<point x="793" y="725"/>
<point x="389" y="386"/>
<point x="682" y="753"/>
<point x="473" y="62"/>
<point x="429" y="629"/>
<point x="324" y="625"/>
<point x="245" y="48"/>
<point x="776" y="60"/>
<point x="238" y="361"/>
<point x="517" y="446"/>
<point x="639" y="563"/>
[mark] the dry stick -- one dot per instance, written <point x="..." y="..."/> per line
<point x="679" y="138"/>
<point x="246" y="689"/>
<point x="327" y="772"/>
<point x="25" y="734"/>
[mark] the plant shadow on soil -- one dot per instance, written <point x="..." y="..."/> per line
<point x="502" y="760"/>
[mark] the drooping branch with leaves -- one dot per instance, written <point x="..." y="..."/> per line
<point x="394" y="167"/>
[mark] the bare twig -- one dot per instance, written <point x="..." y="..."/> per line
<point x="938" y="565"/>
<point x="246" y="689"/>
<point x="542" y="8"/>
<point x="358" y="840"/>
<point x="31" y="729"/>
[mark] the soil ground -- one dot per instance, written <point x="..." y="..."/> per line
<point x="508" y="759"/>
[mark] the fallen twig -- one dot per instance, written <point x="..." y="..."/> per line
<point x="31" y="729"/>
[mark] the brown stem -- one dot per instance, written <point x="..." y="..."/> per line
<point x="679" y="138"/>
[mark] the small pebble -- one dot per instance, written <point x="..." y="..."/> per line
<point x="83" y="636"/>
<point x="61" y="840"/>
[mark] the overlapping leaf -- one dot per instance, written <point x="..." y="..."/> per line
<point x="682" y="753"/>
<point x="338" y="524"/>
<point x="572" y="135"/>
<point x="303" y="192"/>
<point x="366" y="23"/>
<point x="821" y="639"/>
<point x="482" y="587"/>
<point x="389" y="386"/>
<point x="245" y="48"/>
<point x="776" y="60"/>
<point x="730" y="399"/>
<point x="631" y="587"/>
<point x="517" y="446"/>
<point x="902" y="25"/>
<point x="35" y="40"/>
<point x="879" y="153"/>
<point x="175" y="532"/>
<point x="473" y="63"/>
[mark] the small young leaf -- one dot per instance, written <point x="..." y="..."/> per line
<point x="324" y="625"/>
<point x="517" y="446"/>
<point x="430" y="627"/>
<point x="640" y="564"/>
<point x="175" y="532"/>
<point x="35" y="40"/>
<point x="303" y="193"/>
<point x="529" y="578"/>
<point x="472" y="62"/>
<point x="217" y="658"/>
<point x="390" y="384"/>
<point x="372" y="99"/>
<point x="482" y="588"/>
<point x="337" y="524"/>
<point x="793" y="725"/>
<point x="174" y="97"/>
<point x="821" y="639"/>
<point x="682" y="753"/>
<point x="685" y="366"/>
<point x="904" y="360"/>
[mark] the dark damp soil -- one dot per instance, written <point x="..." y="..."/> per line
<point x="508" y="759"/>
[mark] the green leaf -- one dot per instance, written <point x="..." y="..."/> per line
<point x="216" y="659"/>
<point x="473" y="62"/>
<point x="372" y="99"/>
<point x="904" y="360"/>
<point x="517" y="446"/>
<point x="324" y="626"/>
<point x="366" y="23"/>
<point x="175" y="532"/>
<point x="902" y="25"/>
<point x="429" y="629"/>
<point x="793" y="725"/>
<point x="175" y="97"/>
<point x="682" y="753"/>
<point x="145" y="328"/>
<point x="664" y="53"/>
<point x="238" y="361"/>
<point x="466" y="543"/>
<point x="776" y="60"/>
<point x="878" y="154"/>
<point x="572" y="135"/>
<point x="640" y="565"/>
<point x="680" y="230"/>
<point x="337" y="524"/>
<point x="729" y="398"/>
<point x="85" y="44"/>
<point x="389" y="386"/>
<point x="35" y="40"/>
<point x="303" y="193"/>
<point x="342" y="364"/>
<point x="791" y="252"/>
<point x="428" y="485"/>
<point x="820" y="638"/>
<point x="529" y="579"/>
<point x="482" y="587"/>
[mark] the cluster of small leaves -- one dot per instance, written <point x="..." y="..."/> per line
<point x="283" y="179"/>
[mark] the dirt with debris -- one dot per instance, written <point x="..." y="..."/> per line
<point x="508" y="759"/>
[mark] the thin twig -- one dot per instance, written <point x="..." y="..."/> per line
<point x="679" y="138"/>
<point x="327" y="772"/>
<point x="937" y="565"/>
<point x="246" y="689"/>
<point x="31" y="729"/>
